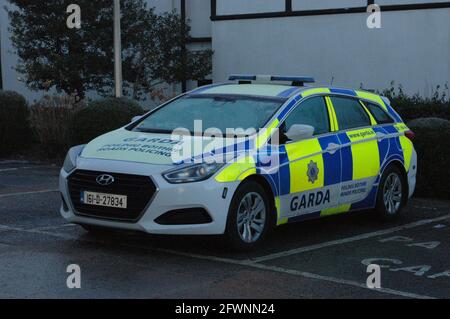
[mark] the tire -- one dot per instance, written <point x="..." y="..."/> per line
<point x="392" y="194"/>
<point x="237" y="234"/>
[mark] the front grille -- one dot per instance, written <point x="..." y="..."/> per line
<point x="138" y="189"/>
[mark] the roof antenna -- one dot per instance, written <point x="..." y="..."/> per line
<point x="332" y="80"/>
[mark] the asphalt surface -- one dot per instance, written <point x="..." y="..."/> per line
<point x="324" y="258"/>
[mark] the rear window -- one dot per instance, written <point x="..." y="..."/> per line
<point x="349" y="113"/>
<point x="378" y="113"/>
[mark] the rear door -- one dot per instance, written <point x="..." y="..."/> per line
<point x="359" y="149"/>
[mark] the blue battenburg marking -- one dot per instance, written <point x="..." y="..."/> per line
<point x="383" y="145"/>
<point x="285" y="174"/>
<point x="368" y="202"/>
<point x="395" y="152"/>
<point x="271" y="178"/>
<point x="393" y="113"/>
<point x="331" y="162"/>
<point x="287" y="109"/>
<point x="288" y="92"/>
<point x="347" y="159"/>
<point x="390" y="129"/>
<point x="343" y="91"/>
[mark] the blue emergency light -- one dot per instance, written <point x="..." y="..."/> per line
<point x="295" y="80"/>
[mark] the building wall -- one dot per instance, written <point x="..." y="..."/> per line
<point x="412" y="48"/>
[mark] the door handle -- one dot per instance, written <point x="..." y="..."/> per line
<point x="380" y="136"/>
<point x="332" y="148"/>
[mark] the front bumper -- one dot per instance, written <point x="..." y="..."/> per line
<point x="168" y="197"/>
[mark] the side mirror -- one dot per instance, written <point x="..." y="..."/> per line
<point x="136" y="118"/>
<point x="298" y="132"/>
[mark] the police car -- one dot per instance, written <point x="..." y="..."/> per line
<point x="315" y="152"/>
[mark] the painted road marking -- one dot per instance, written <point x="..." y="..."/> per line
<point x="244" y="263"/>
<point x="55" y="227"/>
<point x="425" y="207"/>
<point x="12" y="169"/>
<point x="29" y="193"/>
<point x="348" y="240"/>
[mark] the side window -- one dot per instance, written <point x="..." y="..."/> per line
<point x="378" y="113"/>
<point x="312" y="112"/>
<point x="349" y="113"/>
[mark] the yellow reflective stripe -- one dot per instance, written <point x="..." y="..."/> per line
<point x="280" y="221"/>
<point x="247" y="173"/>
<point x="407" y="148"/>
<point x="401" y="127"/>
<point x="333" y="119"/>
<point x="405" y="143"/>
<point x="335" y="210"/>
<point x="365" y="153"/>
<point x="266" y="133"/>
<point x="371" y="97"/>
<point x="237" y="171"/>
<point x="315" y="91"/>
<point x="372" y="120"/>
<point x="299" y="167"/>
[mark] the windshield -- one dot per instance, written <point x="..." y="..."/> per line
<point x="219" y="112"/>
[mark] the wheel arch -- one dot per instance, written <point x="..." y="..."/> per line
<point x="266" y="185"/>
<point x="397" y="163"/>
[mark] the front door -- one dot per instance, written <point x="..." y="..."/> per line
<point x="310" y="170"/>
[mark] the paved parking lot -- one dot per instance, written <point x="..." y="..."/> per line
<point x="316" y="259"/>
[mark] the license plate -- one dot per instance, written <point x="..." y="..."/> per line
<point x="106" y="200"/>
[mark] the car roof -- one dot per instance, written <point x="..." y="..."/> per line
<point x="283" y="91"/>
<point x="263" y="90"/>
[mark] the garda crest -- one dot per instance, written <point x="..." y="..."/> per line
<point x="312" y="172"/>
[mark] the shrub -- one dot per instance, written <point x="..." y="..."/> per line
<point x="413" y="107"/>
<point x="14" y="126"/>
<point x="102" y="116"/>
<point x="432" y="136"/>
<point x="50" y="120"/>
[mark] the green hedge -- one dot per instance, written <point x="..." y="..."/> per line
<point x="102" y="116"/>
<point x="15" y="133"/>
<point x="432" y="136"/>
<point x="414" y="107"/>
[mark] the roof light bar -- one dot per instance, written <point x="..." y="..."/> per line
<point x="296" y="80"/>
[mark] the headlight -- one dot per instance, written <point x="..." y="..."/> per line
<point x="195" y="173"/>
<point x="71" y="158"/>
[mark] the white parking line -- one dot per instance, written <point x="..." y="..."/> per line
<point x="12" y="169"/>
<point x="296" y="273"/>
<point x="8" y="169"/>
<point x="425" y="207"/>
<point x="29" y="193"/>
<point x="348" y="240"/>
<point x="244" y="263"/>
<point x="54" y="227"/>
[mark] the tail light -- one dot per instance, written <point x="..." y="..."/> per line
<point x="410" y="135"/>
